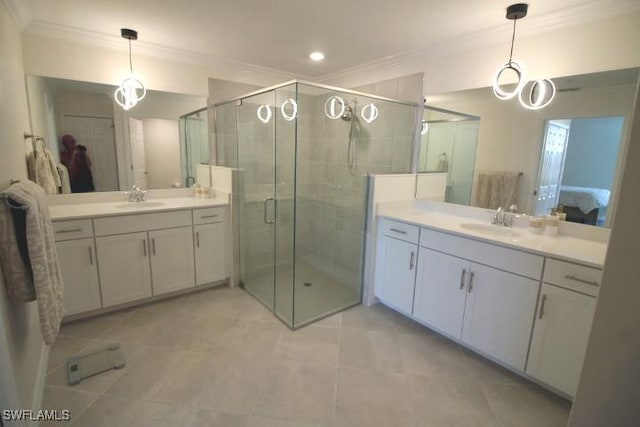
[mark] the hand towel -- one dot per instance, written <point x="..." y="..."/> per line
<point x="42" y="169"/>
<point x="496" y="189"/>
<point x="65" y="187"/>
<point x="43" y="258"/>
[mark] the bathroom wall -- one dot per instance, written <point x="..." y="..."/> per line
<point x="22" y="351"/>
<point x="608" y="393"/>
<point x="510" y="137"/>
<point x="602" y="44"/>
<point x="592" y="152"/>
<point x="106" y="61"/>
<point x="162" y="148"/>
<point x="42" y="112"/>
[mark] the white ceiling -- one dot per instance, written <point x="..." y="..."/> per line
<point x="279" y="34"/>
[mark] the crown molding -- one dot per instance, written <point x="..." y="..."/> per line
<point x="409" y="61"/>
<point x="20" y="12"/>
<point x="243" y="71"/>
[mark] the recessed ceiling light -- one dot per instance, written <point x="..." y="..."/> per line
<point x="317" y="56"/>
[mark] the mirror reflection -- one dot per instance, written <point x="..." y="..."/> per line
<point x="566" y="155"/>
<point x="163" y="142"/>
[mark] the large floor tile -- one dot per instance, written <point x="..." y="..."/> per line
<point x="377" y="317"/>
<point x="298" y="392"/>
<point x="59" y="399"/>
<point x="431" y="355"/>
<point x="93" y="327"/>
<point x="523" y="405"/>
<point x="109" y="411"/>
<point x="311" y="344"/>
<point x="454" y="403"/>
<point x="205" y="418"/>
<point x="62" y="349"/>
<point x="373" y="398"/>
<point x="370" y="349"/>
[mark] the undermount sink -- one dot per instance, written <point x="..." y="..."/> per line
<point x="493" y="230"/>
<point x="138" y="205"/>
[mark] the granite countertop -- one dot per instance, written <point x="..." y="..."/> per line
<point x="123" y="207"/>
<point x="568" y="248"/>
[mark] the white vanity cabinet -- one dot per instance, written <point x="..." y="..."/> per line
<point x="153" y="256"/>
<point x="397" y="257"/>
<point x="125" y="273"/>
<point x="171" y="259"/>
<point x="563" y="324"/>
<point x="499" y="314"/>
<point x="441" y="291"/>
<point x="209" y="234"/>
<point x="77" y="259"/>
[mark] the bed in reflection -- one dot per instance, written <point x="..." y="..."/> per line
<point x="586" y="205"/>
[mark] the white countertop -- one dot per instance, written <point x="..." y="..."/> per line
<point x="568" y="248"/>
<point x="123" y="207"/>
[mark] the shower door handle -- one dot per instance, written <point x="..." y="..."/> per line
<point x="266" y="204"/>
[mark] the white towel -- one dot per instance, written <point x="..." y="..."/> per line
<point x="42" y="168"/>
<point x="65" y="185"/>
<point x="44" y="276"/>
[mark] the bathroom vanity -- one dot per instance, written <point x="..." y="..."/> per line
<point x="115" y="254"/>
<point x="525" y="301"/>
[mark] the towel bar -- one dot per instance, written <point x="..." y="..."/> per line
<point x="7" y="202"/>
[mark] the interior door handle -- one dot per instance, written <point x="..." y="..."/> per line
<point x="266" y="203"/>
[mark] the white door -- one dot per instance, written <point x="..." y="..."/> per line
<point x="551" y="165"/>
<point x="441" y="291"/>
<point x="499" y="314"/>
<point x="97" y="134"/>
<point x="211" y="264"/>
<point x="560" y="336"/>
<point x="172" y="259"/>
<point x="138" y="157"/>
<point x="79" y="269"/>
<point x="398" y="273"/>
<point x="125" y="273"/>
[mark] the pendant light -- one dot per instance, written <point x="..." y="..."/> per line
<point x="131" y="90"/>
<point x="539" y="93"/>
<point x="514" y="12"/>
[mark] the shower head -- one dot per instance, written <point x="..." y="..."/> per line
<point x="347" y="116"/>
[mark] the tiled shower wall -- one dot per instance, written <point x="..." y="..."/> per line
<point x="330" y="199"/>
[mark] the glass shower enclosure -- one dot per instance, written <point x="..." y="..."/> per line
<point x="303" y="153"/>
<point x="449" y="143"/>
<point x="194" y="144"/>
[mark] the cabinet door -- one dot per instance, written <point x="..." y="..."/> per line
<point x="397" y="273"/>
<point x="499" y="314"/>
<point x="125" y="274"/>
<point x="560" y="336"/>
<point x="211" y="262"/>
<point x="171" y="259"/>
<point x="441" y="291"/>
<point x="80" y="275"/>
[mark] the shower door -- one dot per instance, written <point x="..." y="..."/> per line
<point x="266" y="154"/>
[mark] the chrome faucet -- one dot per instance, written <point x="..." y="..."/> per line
<point x="136" y="195"/>
<point x="500" y="217"/>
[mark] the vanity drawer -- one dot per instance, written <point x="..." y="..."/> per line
<point x="511" y="260"/>
<point x="208" y="215"/>
<point x="141" y="222"/>
<point x="400" y="230"/>
<point x="573" y="276"/>
<point x="75" y="229"/>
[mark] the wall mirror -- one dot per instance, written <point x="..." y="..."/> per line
<point x="569" y="153"/>
<point x="163" y="142"/>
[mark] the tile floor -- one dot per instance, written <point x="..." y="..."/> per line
<point x="219" y="358"/>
